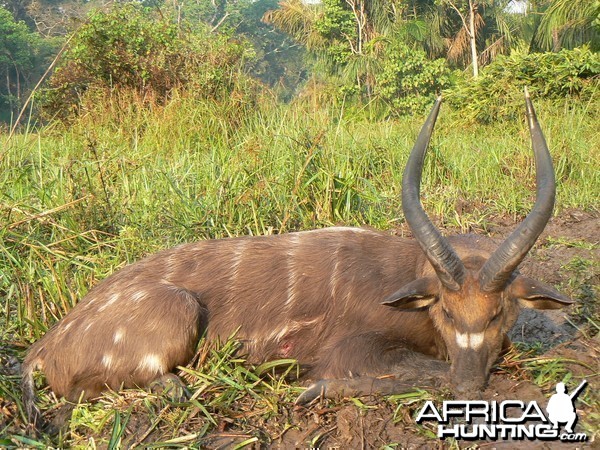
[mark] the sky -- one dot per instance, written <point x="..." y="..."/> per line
<point x="517" y="6"/>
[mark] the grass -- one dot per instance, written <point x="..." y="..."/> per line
<point x="81" y="201"/>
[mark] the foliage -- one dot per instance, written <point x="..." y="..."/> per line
<point x="23" y="55"/>
<point x="408" y="80"/>
<point x="130" y="49"/>
<point x="337" y="28"/>
<point x="353" y="41"/>
<point x="497" y="93"/>
<point x="214" y="14"/>
<point x="280" y="62"/>
<point x="568" y="24"/>
<point x="341" y="40"/>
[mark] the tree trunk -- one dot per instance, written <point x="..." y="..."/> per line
<point x="8" y="94"/>
<point x="472" y="9"/>
<point x="555" y="41"/>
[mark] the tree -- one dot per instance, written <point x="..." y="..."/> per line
<point x="369" y="48"/>
<point x="23" y="56"/>
<point x="469" y="19"/>
<point x="408" y="79"/>
<point x="474" y="31"/>
<point x="50" y="17"/>
<point x="344" y="37"/>
<point x="279" y="59"/>
<point x="566" y="24"/>
<point x="465" y="32"/>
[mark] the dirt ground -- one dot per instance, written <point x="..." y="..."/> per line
<point x="567" y="256"/>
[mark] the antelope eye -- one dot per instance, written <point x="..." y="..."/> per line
<point x="496" y="317"/>
<point x="447" y="315"/>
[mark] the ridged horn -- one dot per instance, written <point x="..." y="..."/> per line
<point x="439" y="252"/>
<point x="496" y="272"/>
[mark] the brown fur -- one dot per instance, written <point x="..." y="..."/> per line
<point x="281" y="295"/>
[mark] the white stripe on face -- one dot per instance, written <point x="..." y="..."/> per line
<point x="469" y="340"/>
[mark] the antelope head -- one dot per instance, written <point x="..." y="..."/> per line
<point x="473" y="297"/>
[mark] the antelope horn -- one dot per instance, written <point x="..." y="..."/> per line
<point x="439" y="252"/>
<point x="498" y="269"/>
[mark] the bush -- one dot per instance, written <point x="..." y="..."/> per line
<point x="129" y="49"/>
<point x="498" y="92"/>
<point x="408" y="80"/>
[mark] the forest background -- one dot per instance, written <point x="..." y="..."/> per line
<point x="392" y="55"/>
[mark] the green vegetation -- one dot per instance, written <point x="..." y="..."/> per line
<point x="155" y="129"/>
<point x="497" y="93"/>
<point x="24" y="56"/>
<point x="144" y="57"/>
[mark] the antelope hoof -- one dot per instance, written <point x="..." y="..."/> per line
<point x="170" y="386"/>
<point x="313" y="392"/>
<point x="333" y="388"/>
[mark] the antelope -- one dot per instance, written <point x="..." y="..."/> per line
<point x="351" y="305"/>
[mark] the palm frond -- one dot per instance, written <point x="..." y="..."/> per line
<point x="297" y="19"/>
<point x="568" y="24"/>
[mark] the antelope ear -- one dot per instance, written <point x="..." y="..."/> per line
<point x="536" y="295"/>
<point x="416" y="295"/>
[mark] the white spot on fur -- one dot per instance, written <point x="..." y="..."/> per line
<point x="111" y="299"/>
<point x="236" y="262"/>
<point x="462" y="339"/>
<point x="469" y="340"/>
<point x="171" y="265"/>
<point x="118" y="337"/>
<point x="292" y="275"/>
<point x="139" y="296"/>
<point x="476" y="340"/>
<point x="152" y="363"/>
<point x="335" y="274"/>
<point x="66" y="328"/>
<point x="107" y="361"/>
<point x="277" y="335"/>
<point x="88" y="326"/>
<point x="238" y="255"/>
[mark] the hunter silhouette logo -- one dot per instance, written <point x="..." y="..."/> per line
<point x="560" y="406"/>
<point x="508" y="419"/>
